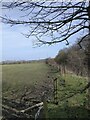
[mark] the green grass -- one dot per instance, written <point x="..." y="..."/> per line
<point x="73" y="107"/>
<point x="18" y="76"/>
<point x="73" y="84"/>
<point x="69" y="112"/>
<point x="34" y="75"/>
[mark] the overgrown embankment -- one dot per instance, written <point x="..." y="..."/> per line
<point x="71" y="102"/>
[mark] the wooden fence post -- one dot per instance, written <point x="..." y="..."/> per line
<point x="55" y="92"/>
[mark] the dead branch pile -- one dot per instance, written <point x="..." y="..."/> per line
<point x="12" y="109"/>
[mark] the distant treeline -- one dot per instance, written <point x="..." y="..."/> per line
<point x="21" y="61"/>
<point x="75" y="58"/>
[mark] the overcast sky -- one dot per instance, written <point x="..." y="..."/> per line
<point x="16" y="47"/>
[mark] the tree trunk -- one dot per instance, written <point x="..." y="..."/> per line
<point x="88" y="56"/>
<point x="89" y="75"/>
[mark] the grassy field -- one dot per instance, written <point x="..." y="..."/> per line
<point x="18" y="77"/>
<point x="35" y="78"/>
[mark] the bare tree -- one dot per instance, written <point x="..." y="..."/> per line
<point x="57" y="20"/>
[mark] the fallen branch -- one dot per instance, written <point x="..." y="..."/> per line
<point x="12" y="112"/>
<point x="22" y="111"/>
<point x="11" y="109"/>
<point x="38" y="112"/>
<point x="32" y="107"/>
